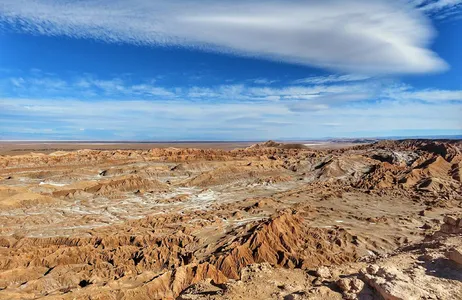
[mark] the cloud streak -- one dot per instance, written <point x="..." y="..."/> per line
<point x="118" y="108"/>
<point x="439" y="6"/>
<point x="141" y="119"/>
<point x="357" y="36"/>
<point x="426" y="95"/>
<point x="331" y="79"/>
<point x="313" y="93"/>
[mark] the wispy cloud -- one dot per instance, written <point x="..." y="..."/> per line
<point x="331" y="79"/>
<point x="325" y="101"/>
<point x="85" y="86"/>
<point x="264" y="81"/>
<point x="354" y="36"/>
<point x="318" y="96"/>
<point x="315" y="93"/>
<point x="426" y="95"/>
<point x="116" y="108"/>
<point x="89" y="87"/>
<point x="141" y="119"/>
<point x="331" y="124"/>
<point x="38" y="82"/>
<point x="439" y="6"/>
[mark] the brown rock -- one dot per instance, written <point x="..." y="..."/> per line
<point x="323" y="272"/>
<point x="392" y="284"/>
<point x="455" y="254"/>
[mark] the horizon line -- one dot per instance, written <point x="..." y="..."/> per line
<point x="431" y="136"/>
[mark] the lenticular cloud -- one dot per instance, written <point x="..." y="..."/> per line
<point x="370" y="37"/>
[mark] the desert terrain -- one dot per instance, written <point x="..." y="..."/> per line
<point x="242" y="221"/>
<point x="47" y="147"/>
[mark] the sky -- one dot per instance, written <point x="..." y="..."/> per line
<point x="153" y="70"/>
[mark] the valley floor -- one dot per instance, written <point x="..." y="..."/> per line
<point x="269" y="221"/>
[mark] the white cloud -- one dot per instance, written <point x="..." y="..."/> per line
<point x="145" y="110"/>
<point x="308" y="92"/>
<point x="264" y="81"/>
<point x="433" y="95"/>
<point x="88" y="86"/>
<point x="151" y="90"/>
<point x="238" y="120"/>
<point x="306" y="106"/>
<point x="295" y="98"/>
<point x="439" y="9"/>
<point x="406" y="93"/>
<point x="354" y="36"/>
<point x="318" y="96"/>
<point x="439" y="5"/>
<point x="17" y="82"/>
<point x="50" y="83"/>
<point x="331" y="79"/>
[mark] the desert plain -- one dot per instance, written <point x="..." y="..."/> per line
<point x="270" y="220"/>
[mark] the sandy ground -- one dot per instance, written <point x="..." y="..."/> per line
<point x="24" y="147"/>
<point x="216" y="223"/>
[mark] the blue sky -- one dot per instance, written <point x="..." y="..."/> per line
<point x="229" y="70"/>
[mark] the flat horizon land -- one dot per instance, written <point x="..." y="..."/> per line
<point x="46" y="147"/>
<point x="18" y="147"/>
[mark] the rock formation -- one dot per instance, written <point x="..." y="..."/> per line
<point x="269" y="221"/>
